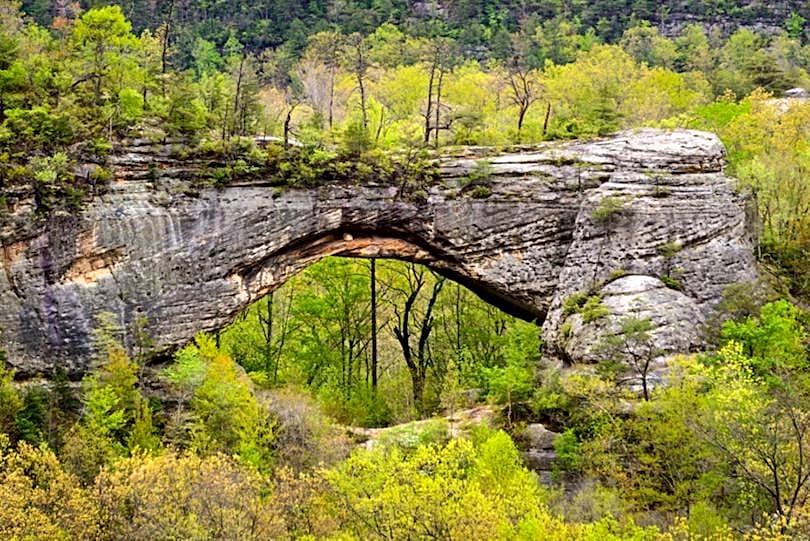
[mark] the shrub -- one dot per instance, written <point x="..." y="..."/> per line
<point x="608" y="210"/>
<point x="481" y="192"/>
<point x="416" y="434"/>
<point x="590" y="307"/>
<point x="304" y="437"/>
<point x="184" y="497"/>
<point x="40" y="499"/>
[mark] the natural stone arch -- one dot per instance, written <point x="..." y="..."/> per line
<point x="189" y="263"/>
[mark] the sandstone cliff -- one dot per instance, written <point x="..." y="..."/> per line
<point x="646" y="221"/>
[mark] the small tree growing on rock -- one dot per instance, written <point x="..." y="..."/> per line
<point x="632" y="348"/>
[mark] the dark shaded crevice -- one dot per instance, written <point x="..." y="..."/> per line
<point x="501" y="301"/>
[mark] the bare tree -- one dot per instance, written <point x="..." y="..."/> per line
<point x="632" y="348"/>
<point x="356" y="60"/>
<point x="438" y="55"/>
<point x="413" y="328"/>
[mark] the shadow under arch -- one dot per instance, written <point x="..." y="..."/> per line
<point x="270" y="273"/>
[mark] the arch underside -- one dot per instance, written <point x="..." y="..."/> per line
<point x="277" y="268"/>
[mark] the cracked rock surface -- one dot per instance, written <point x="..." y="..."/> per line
<point x="645" y="219"/>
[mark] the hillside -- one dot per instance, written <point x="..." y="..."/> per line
<point x="479" y="25"/>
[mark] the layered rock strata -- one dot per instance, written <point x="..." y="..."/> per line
<point x="643" y="223"/>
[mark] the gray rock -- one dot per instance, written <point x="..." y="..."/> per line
<point x="797" y="93"/>
<point x="152" y="253"/>
<point x="677" y="320"/>
<point x="538" y="437"/>
<point x="539" y="460"/>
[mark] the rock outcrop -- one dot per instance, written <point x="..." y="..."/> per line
<point x="646" y="221"/>
<point x="539" y="454"/>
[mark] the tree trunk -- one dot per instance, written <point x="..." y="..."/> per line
<point x="521" y="117"/>
<point x="429" y="109"/>
<point x="438" y="105"/>
<point x="238" y="95"/>
<point x="332" y="94"/>
<point x="374" y="324"/>
<point x="287" y="122"/>
<point x="164" y="46"/>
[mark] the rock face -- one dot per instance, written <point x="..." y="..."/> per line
<point x="609" y="217"/>
<point x="539" y="454"/>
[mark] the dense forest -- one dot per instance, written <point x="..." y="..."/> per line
<point x="343" y="405"/>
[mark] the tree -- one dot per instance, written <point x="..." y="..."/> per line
<point x="648" y="46"/>
<point x="356" y="60"/>
<point x="693" y="50"/>
<point x="761" y="430"/>
<point x="438" y="55"/>
<point x="317" y="71"/>
<point x="374" y="359"/>
<point x="413" y="329"/>
<point x="184" y="496"/>
<point x="244" y="71"/>
<point x="102" y="37"/>
<point x="226" y="416"/>
<point x="333" y="310"/>
<point x="632" y="347"/>
<point x="524" y="83"/>
<point x="12" y="74"/>
<point x="116" y="418"/>
<point x="10" y="401"/>
<point x="257" y="340"/>
<point x="207" y="60"/>
<point x="588" y="95"/>
<point x="461" y="490"/>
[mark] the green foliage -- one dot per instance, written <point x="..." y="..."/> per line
<point x="569" y="454"/>
<point x="608" y="210"/>
<point x="590" y="307"/>
<point x="795" y="25"/>
<point x="480" y="172"/>
<point x="10" y="402"/>
<point x="183" y="497"/>
<point x="670" y="282"/>
<point x="226" y="416"/>
<point x="481" y="192"/>
<point x="775" y="341"/>
<point x="632" y="348"/>
<point x="476" y="492"/>
<point x="411" y="436"/>
<point x="720" y="441"/>
<point x="669" y="249"/>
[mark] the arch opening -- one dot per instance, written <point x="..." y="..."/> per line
<point x="422" y="343"/>
<point x="274" y="270"/>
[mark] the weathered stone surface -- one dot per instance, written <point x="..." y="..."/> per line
<point x="539" y="460"/>
<point x="538" y="437"/>
<point x="183" y="262"/>
<point x="797" y="93"/>
<point x="677" y="320"/>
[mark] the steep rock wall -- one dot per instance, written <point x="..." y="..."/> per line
<point x="593" y="217"/>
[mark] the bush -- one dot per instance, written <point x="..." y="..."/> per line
<point x="184" y="497"/>
<point x="608" y="210"/>
<point x="481" y="192"/>
<point x="40" y="499"/>
<point x="416" y="434"/>
<point x="304" y="437"/>
<point x="590" y="307"/>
